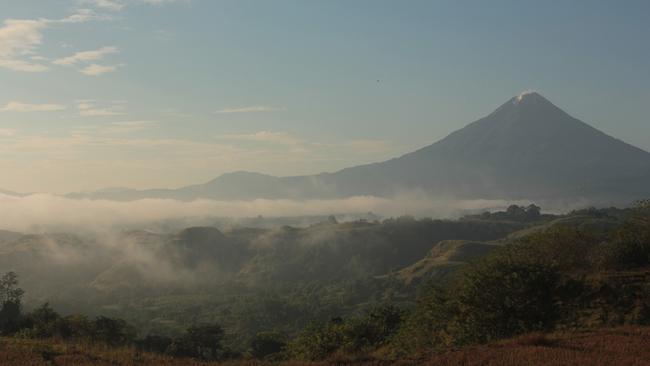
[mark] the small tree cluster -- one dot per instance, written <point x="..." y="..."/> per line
<point x="10" y="303"/>
<point x="351" y="336"/>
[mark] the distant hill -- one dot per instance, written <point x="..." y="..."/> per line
<point x="526" y="149"/>
<point x="10" y="193"/>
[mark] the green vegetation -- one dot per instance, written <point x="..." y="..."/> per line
<point x="360" y="291"/>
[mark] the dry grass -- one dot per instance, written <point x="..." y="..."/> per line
<point x="628" y="346"/>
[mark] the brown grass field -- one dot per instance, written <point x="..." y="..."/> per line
<point x="629" y="346"/>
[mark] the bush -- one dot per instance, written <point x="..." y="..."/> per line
<point x="511" y="292"/>
<point x="154" y="343"/>
<point x="374" y="329"/>
<point x="267" y="344"/>
<point x="10" y="317"/>
<point x="316" y="342"/>
<point x="629" y="247"/>
<point x="426" y="328"/>
<point x="112" y="331"/>
<point x="202" y="342"/>
<point x="350" y="336"/>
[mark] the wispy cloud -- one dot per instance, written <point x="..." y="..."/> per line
<point x="19" y="38"/>
<point x="22" y="65"/>
<point x="119" y="5"/>
<point x="86" y="56"/>
<point x="251" y="109"/>
<point x="114" y="128"/>
<point x="128" y="127"/>
<point x="111" y="5"/>
<point x="90" y="108"/>
<point x="82" y="16"/>
<point x="27" y="107"/>
<point x="95" y="69"/>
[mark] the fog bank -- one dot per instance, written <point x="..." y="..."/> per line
<point x="46" y="212"/>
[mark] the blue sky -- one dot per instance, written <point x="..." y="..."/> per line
<point x="163" y="93"/>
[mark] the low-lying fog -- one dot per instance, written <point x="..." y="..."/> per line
<point x="41" y="212"/>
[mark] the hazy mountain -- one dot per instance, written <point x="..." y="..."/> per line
<point x="527" y="148"/>
<point x="10" y="193"/>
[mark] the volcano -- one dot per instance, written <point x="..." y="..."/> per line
<point x="527" y="148"/>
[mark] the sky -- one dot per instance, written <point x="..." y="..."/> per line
<point x="166" y="93"/>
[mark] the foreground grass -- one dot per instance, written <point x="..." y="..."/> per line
<point x="629" y="346"/>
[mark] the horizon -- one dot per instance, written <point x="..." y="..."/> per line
<point x="244" y="90"/>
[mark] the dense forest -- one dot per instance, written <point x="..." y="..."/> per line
<point x="400" y="288"/>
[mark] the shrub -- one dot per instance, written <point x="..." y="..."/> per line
<point x="629" y="246"/>
<point x="511" y="292"/>
<point x="426" y="327"/>
<point x="154" y="343"/>
<point x="267" y="344"/>
<point x="112" y="331"/>
<point x="202" y="342"/>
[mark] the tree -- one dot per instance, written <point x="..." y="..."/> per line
<point x="42" y="322"/>
<point x="10" y="303"/>
<point x="510" y="292"/>
<point x="112" y="331"/>
<point x="266" y="344"/>
<point x="374" y="329"/>
<point x="533" y="212"/>
<point x="9" y="290"/>
<point x="629" y="246"/>
<point x="154" y="343"/>
<point x="202" y="342"/>
<point x="426" y="327"/>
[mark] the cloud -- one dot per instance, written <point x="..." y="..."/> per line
<point x="26" y="107"/>
<point x="89" y="108"/>
<point x="111" y="5"/>
<point x="252" y="109"/>
<point x="114" y="128"/>
<point x="19" y="38"/>
<point x="82" y="16"/>
<point x="119" y="5"/>
<point x="20" y="65"/>
<point x="125" y="127"/>
<point x="85" y="56"/>
<point x="95" y="69"/>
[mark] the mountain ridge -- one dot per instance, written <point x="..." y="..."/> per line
<point x="527" y="148"/>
